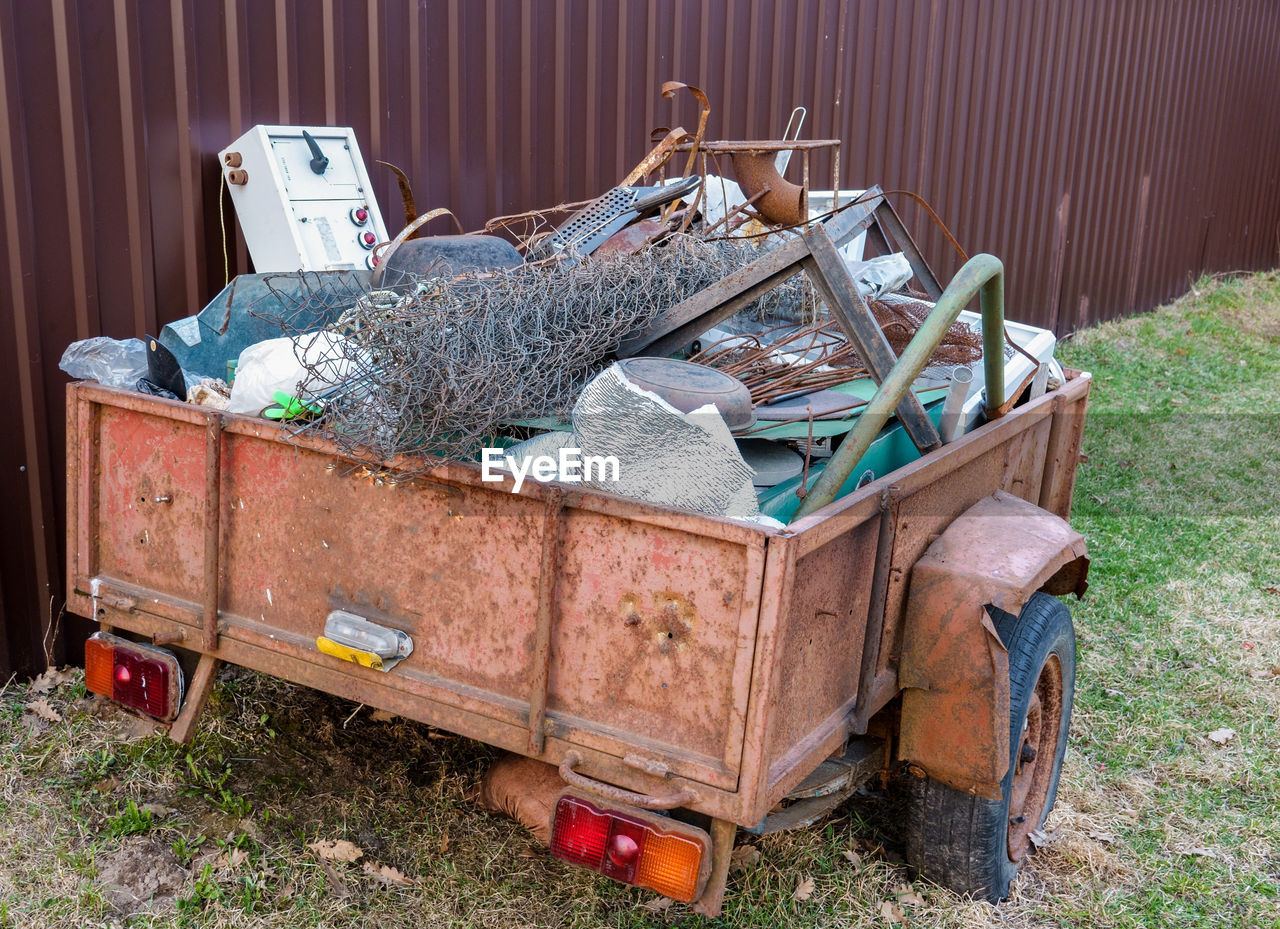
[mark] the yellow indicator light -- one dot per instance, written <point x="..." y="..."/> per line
<point x="346" y="653"/>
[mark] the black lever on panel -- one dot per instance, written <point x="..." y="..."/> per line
<point x="318" y="161"/>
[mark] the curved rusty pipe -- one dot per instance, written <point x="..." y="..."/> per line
<point x="782" y="202"/>
<point x="982" y="273"/>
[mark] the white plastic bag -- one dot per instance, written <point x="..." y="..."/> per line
<point x="110" y="362"/>
<point x="316" y="359"/>
<point x="876" y="277"/>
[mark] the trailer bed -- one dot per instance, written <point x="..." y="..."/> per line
<point x="667" y="650"/>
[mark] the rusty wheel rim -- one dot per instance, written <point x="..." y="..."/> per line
<point x="1034" y="761"/>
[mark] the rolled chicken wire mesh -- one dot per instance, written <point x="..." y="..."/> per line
<point x="438" y="368"/>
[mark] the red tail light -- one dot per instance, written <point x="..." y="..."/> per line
<point x="143" y="677"/>
<point x="635" y="848"/>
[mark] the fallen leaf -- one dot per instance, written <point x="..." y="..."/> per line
<point x="444" y="842"/>
<point x="50" y="679"/>
<point x="804" y="890"/>
<point x="852" y="857"/>
<point x="892" y="912"/>
<point x="106" y="785"/>
<point x="658" y="904"/>
<point x="1038" y="838"/>
<point x="1099" y="836"/>
<point x="1221" y="736"/>
<point x="1270" y="589"/>
<point x="42" y="709"/>
<point x="381" y="716"/>
<point x="743" y="857"/>
<point x="157" y="810"/>
<point x="336" y="883"/>
<point x="905" y="893"/>
<point x="231" y="859"/>
<point x="385" y="874"/>
<point x="1197" y="851"/>
<point x="336" y="850"/>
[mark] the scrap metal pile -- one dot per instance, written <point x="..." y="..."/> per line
<point x="457" y="343"/>
<point x="452" y="357"/>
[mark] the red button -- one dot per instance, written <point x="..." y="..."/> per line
<point x="370" y="237"/>
<point x="361" y="215"/>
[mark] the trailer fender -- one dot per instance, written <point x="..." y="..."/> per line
<point x="954" y="670"/>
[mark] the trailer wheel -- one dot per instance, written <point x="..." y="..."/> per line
<point x="975" y="845"/>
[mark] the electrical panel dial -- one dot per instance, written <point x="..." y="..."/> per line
<point x="303" y="198"/>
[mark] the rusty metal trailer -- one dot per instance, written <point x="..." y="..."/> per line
<point x="661" y="658"/>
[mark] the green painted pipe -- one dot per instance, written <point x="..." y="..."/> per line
<point x="981" y="272"/>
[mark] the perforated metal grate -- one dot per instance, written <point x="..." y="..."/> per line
<point x="591" y="219"/>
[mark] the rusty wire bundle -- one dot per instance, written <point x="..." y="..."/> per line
<point x="439" y="367"/>
<point x="785" y="359"/>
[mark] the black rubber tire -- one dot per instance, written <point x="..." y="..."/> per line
<point x="961" y="841"/>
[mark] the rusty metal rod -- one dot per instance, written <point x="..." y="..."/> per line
<point x="541" y="658"/>
<point x="679" y="797"/>
<point x="212" y="530"/>
<point x="982" y="273"/>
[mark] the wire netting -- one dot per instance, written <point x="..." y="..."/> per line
<point x="438" y="367"/>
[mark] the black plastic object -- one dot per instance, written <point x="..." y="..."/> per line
<point x="163" y="369"/>
<point x="145" y="386"/>
<point x="444" y="255"/>
<point x="319" y="163"/>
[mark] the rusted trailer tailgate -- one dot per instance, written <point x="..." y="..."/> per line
<point x="540" y="621"/>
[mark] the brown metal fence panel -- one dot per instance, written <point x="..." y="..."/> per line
<point x="1108" y="152"/>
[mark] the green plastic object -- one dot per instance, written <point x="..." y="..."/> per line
<point x="890" y="450"/>
<point x="287" y="406"/>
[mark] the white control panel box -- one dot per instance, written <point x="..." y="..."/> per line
<point x="303" y="198"/>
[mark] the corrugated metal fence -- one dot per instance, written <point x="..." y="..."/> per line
<point x="1107" y="151"/>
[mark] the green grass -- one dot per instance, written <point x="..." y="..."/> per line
<point x="1157" y="825"/>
